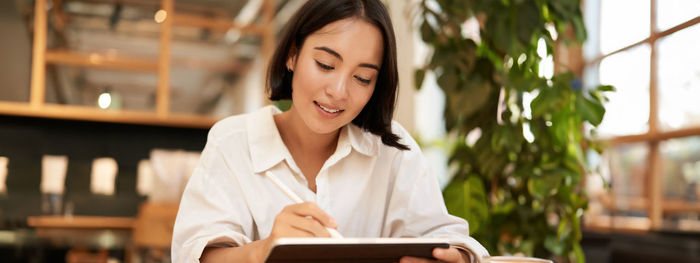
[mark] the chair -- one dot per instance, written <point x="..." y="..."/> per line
<point x="82" y="255"/>
<point x="153" y="231"/>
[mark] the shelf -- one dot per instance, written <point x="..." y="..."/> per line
<point x="640" y="204"/>
<point x="84" y="231"/>
<point x="637" y="224"/>
<point x="97" y="60"/>
<point x="623" y="204"/>
<point x="73" y="112"/>
<point x="624" y="223"/>
<point x="211" y="18"/>
<point x="120" y="62"/>
<point x="81" y="222"/>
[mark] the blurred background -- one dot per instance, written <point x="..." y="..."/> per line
<point x="105" y="105"/>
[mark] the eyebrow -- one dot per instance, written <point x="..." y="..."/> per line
<point x="335" y="54"/>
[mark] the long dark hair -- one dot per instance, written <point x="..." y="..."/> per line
<point x="376" y="116"/>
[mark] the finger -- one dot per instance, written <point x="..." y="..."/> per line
<point x="283" y="226"/>
<point x="448" y="254"/>
<point x="291" y="231"/>
<point x="312" y="210"/>
<point x="285" y="230"/>
<point x="308" y="224"/>
<point x="416" y="260"/>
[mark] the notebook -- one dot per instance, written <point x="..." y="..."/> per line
<point x="366" y="250"/>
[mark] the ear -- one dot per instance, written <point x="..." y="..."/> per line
<point x="291" y="62"/>
<point x="292" y="59"/>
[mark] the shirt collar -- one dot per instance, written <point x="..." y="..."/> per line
<point x="363" y="142"/>
<point x="267" y="148"/>
<point x="264" y="141"/>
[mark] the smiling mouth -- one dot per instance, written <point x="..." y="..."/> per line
<point x="326" y="109"/>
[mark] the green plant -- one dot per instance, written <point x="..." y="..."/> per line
<point x="520" y="194"/>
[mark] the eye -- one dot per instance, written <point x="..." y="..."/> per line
<point x="364" y="81"/>
<point x="324" y="66"/>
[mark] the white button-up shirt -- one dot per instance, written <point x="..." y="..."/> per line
<point x="371" y="189"/>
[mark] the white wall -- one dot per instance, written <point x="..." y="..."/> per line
<point x="400" y="15"/>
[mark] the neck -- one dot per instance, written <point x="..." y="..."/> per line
<point x="299" y="138"/>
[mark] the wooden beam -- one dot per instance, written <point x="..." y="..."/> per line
<point x="268" y="42"/>
<point x="38" y="83"/>
<point x="675" y="29"/>
<point x="163" y="89"/>
<point x="650" y="39"/>
<point x="655" y="186"/>
<point x="629" y="139"/>
<point x="85" y="113"/>
<point x="215" y="66"/>
<point x="268" y="45"/>
<point x="659" y="136"/>
<point x="119" y="62"/>
<point x="654" y="163"/>
<point x="97" y="60"/>
<point x="680" y="206"/>
<point x="142" y="3"/>
<point x="156" y="4"/>
<point x="59" y="18"/>
<point x="692" y="131"/>
<point x="653" y="69"/>
<point x="219" y="24"/>
<point x="568" y="57"/>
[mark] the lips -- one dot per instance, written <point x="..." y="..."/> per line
<point x="328" y="109"/>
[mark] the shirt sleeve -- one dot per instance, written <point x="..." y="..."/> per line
<point x="212" y="210"/>
<point x="416" y="206"/>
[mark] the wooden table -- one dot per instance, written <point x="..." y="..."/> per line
<point x="103" y="233"/>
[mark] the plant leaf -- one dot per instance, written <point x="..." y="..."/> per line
<point x="606" y="88"/>
<point x="578" y="253"/>
<point x="467" y="199"/>
<point x="591" y="111"/>
<point x="419" y="76"/>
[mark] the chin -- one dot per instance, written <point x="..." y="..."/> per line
<point x="324" y="126"/>
<point x="325" y="129"/>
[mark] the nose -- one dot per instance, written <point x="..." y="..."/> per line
<point x="337" y="88"/>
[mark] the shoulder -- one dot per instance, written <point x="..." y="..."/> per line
<point x="413" y="153"/>
<point x="227" y="127"/>
<point x="405" y="137"/>
<point x="227" y="141"/>
<point x="405" y="164"/>
<point x="252" y="122"/>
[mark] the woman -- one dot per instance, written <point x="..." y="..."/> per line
<point x="336" y="147"/>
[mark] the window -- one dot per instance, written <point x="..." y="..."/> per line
<point x="648" y="50"/>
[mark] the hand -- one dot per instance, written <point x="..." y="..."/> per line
<point x="298" y="220"/>
<point x="302" y="220"/>
<point x="452" y="255"/>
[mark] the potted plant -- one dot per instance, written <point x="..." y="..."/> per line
<point x="518" y="136"/>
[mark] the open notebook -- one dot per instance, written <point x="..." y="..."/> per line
<point x="373" y="250"/>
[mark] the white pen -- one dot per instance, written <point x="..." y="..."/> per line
<point x="334" y="233"/>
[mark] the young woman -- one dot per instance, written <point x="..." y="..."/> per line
<point x="336" y="148"/>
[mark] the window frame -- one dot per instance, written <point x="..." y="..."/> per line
<point x="653" y="203"/>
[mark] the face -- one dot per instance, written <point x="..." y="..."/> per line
<point x="335" y="73"/>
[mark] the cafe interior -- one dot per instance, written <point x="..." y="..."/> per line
<point x="105" y="107"/>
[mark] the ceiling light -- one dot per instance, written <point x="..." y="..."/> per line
<point x="104" y="100"/>
<point x="160" y="16"/>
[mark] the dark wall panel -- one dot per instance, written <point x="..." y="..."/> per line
<point x="25" y="140"/>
